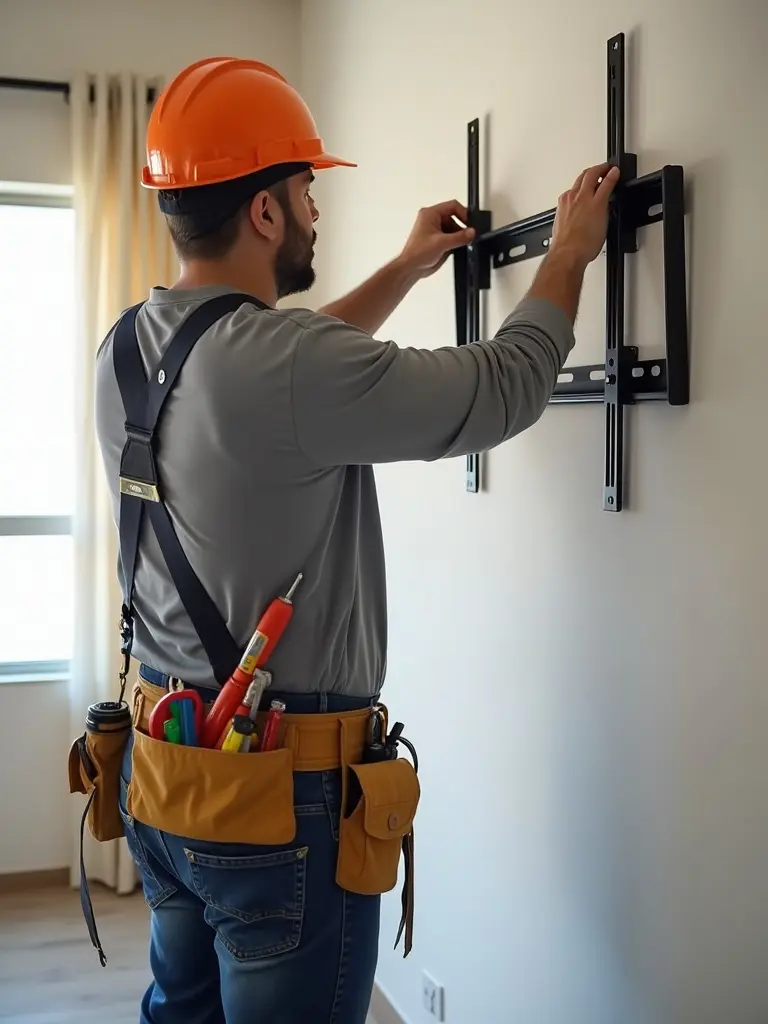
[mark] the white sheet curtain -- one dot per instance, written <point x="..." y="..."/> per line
<point x="122" y="250"/>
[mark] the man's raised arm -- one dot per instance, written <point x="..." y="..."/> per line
<point x="360" y="401"/>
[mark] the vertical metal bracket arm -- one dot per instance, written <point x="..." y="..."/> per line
<point x="622" y="379"/>
<point x="472" y="272"/>
<point x="621" y="239"/>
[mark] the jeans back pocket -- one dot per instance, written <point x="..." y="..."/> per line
<point x="254" y="902"/>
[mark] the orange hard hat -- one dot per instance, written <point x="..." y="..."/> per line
<point x="223" y="118"/>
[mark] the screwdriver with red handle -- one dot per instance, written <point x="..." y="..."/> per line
<point x="269" y="630"/>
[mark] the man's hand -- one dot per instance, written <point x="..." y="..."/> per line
<point x="581" y="222"/>
<point x="434" y="236"/>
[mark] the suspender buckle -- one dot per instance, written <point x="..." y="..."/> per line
<point x="139" y="489"/>
<point x="138" y="474"/>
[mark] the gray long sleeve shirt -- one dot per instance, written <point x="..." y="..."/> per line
<point x="267" y="445"/>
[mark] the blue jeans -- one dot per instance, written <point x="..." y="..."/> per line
<point x="257" y="934"/>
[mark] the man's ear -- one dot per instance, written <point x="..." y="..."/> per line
<point x="266" y="215"/>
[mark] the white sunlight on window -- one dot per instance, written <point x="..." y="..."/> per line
<point x="36" y="433"/>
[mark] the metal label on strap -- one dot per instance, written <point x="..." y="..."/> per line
<point x="139" y="489"/>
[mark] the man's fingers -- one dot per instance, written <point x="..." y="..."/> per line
<point x="455" y="239"/>
<point x="607" y="185"/>
<point x="450" y="208"/>
<point x="577" y="184"/>
<point x="592" y="176"/>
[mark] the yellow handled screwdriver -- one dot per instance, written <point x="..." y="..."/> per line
<point x="242" y="729"/>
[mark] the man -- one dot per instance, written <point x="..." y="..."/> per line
<point x="264" y="459"/>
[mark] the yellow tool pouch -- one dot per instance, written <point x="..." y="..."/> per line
<point x="212" y="795"/>
<point x="379" y="803"/>
<point x="370" y="839"/>
<point x="94" y="766"/>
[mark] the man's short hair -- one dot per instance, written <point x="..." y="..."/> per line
<point x="205" y="221"/>
<point x="194" y="239"/>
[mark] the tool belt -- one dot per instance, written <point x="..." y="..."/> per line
<point x="215" y="796"/>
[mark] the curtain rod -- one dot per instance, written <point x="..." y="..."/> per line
<point x="42" y="85"/>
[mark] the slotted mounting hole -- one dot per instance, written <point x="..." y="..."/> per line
<point x="610" y="501"/>
<point x="545" y="242"/>
<point x="519" y="250"/>
<point x="656" y="210"/>
<point x="656" y="370"/>
<point x="565" y="378"/>
<point x="638" y="371"/>
<point x="597" y="375"/>
<point x="610" y="361"/>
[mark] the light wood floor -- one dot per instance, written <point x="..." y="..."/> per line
<point x="50" y="972"/>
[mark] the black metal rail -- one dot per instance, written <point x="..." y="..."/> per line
<point x="622" y="379"/>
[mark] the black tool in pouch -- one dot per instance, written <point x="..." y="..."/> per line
<point x="380" y="747"/>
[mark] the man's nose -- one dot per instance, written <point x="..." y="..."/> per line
<point x="315" y="213"/>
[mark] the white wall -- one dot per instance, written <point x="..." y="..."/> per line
<point x="52" y="39"/>
<point x="595" y="851"/>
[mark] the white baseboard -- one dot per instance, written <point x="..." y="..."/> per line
<point x="383" y="1011"/>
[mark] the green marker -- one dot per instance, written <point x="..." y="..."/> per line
<point x="172" y="730"/>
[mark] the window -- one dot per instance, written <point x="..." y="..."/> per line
<point x="37" y="288"/>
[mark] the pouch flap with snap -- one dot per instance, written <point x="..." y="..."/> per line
<point x="391" y="795"/>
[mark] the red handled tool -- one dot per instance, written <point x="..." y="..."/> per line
<point x="269" y="630"/>
<point x="269" y="737"/>
<point x="250" y="706"/>
<point x="162" y="711"/>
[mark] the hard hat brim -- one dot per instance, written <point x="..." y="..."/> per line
<point x="325" y="161"/>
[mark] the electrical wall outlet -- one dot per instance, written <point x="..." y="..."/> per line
<point x="432" y="997"/>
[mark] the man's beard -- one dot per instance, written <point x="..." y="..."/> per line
<point x="293" y="264"/>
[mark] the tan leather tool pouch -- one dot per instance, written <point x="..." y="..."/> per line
<point x="212" y="795"/>
<point x="371" y="833"/>
<point x="94" y="768"/>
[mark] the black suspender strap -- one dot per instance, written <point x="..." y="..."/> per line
<point x="140" y="487"/>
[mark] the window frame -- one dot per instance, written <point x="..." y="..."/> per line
<point x="55" y="196"/>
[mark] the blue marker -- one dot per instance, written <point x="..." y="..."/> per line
<point x="189" y="732"/>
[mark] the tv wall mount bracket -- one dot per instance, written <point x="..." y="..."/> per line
<point x="637" y="202"/>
